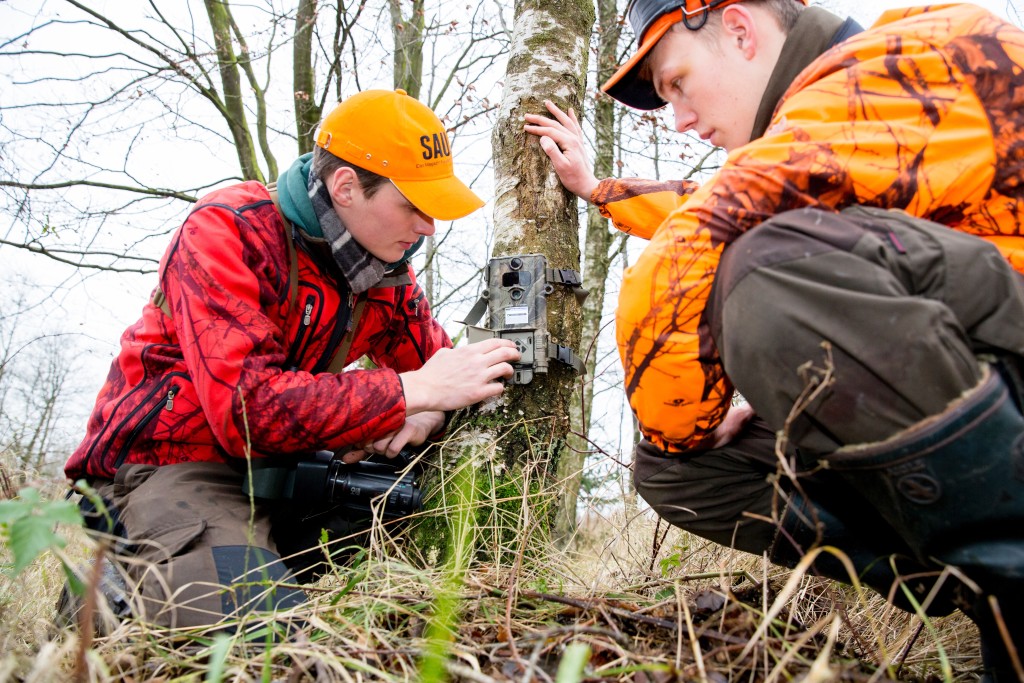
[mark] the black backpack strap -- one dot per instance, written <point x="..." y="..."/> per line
<point x="338" y="362"/>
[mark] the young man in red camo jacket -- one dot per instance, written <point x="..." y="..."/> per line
<point x="854" y="270"/>
<point x="230" y="360"/>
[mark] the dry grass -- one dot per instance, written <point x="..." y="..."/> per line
<point x="649" y="605"/>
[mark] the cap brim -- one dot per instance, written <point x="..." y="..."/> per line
<point x="444" y="199"/>
<point x="625" y="84"/>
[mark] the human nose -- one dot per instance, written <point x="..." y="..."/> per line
<point x="686" y="118"/>
<point x="424" y="225"/>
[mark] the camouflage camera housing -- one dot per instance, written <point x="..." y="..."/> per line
<point x="516" y="301"/>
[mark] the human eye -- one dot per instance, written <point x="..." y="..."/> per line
<point x="669" y="87"/>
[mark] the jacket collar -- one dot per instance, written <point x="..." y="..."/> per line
<point x="815" y="32"/>
<point x="294" y="199"/>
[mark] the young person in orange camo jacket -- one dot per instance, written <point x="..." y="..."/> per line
<point x="853" y="271"/>
<point x="231" y="359"/>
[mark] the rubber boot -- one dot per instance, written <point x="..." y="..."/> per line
<point x="880" y="558"/>
<point x="112" y="589"/>
<point x="998" y="660"/>
<point x="952" y="487"/>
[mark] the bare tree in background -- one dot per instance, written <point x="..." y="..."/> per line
<point x="140" y="84"/>
<point x="36" y="385"/>
<point x="407" y="31"/>
<point x="308" y="109"/>
<point x="477" y="43"/>
<point x="602" y="243"/>
<point x="117" y="118"/>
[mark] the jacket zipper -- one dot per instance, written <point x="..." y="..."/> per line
<point x="166" y="404"/>
<point x="304" y="326"/>
<point x="413" y="303"/>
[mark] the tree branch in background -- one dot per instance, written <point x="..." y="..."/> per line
<point x="307" y="108"/>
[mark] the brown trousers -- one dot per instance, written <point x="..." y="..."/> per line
<point x="889" y="312"/>
<point x="197" y="550"/>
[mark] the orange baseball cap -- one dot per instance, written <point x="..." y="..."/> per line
<point x="650" y="20"/>
<point x="396" y="136"/>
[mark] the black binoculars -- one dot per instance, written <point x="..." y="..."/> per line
<point x="323" y="479"/>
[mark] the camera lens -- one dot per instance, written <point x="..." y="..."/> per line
<point x="359" y="490"/>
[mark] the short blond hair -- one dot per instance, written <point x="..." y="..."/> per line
<point x="785" y="13"/>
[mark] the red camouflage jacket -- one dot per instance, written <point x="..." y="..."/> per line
<point x="240" y="368"/>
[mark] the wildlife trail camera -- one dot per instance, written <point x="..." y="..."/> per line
<point x="516" y="299"/>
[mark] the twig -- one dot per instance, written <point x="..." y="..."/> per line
<point x="532" y="670"/>
<point x="694" y="642"/>
<point x="906" y="650"/>
<point x="6" y="489"/>
<point x="576" y="629"/>
<point x="656" y="542"/>
<point x="993" y="604"/>
<point x="513" y="582"/>
<point x="85" y="615"/>
<point x="734" y="573"/>
<point x="592" y="603"/>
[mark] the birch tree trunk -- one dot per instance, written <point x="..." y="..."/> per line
<point x="408" y="36"/>
<point x="514" y="445"/>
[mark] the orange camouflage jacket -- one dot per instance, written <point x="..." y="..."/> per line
<point x="923" y="112"/>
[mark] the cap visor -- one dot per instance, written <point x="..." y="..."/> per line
<point x="624" y="85"/>
<point x="445" y="199"/>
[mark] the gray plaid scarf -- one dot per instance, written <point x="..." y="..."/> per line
<point x="361" y="268"/>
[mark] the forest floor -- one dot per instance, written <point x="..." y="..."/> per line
<point x="629" y="600"/>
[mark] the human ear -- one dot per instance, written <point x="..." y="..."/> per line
<point x="740" y="29"/>
<point x="343" y="186"/>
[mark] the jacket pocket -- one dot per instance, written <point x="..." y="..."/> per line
<point x="168" y="541"/>
<point x="160" y="397"/>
